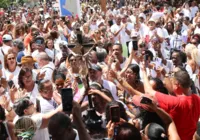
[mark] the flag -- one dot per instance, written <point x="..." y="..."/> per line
<point x="70" y="7"/>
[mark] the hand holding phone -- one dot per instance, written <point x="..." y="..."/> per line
<point x="11" y="84"/>
<point x="146" y="100"/>
<point x="115" y="113"/>
<point x="67" y="99"/>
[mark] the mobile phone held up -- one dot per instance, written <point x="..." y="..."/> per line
<point x="67" y="99"/>
<point x="135" y="45"/>
<point x="115" y="113"/>
<point x="145" y="100"/>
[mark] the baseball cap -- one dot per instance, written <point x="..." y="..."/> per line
<point x="142" y="15"/>
<point x="18" y="43"/>
<point x="47" y="16"/>
<point x="152" y="20"/>
<point x="95" y="67"/>
<point x="7" y="37"/>
<point x="39" y="40"/>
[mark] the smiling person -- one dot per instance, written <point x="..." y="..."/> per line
<point x="11" y="70"/>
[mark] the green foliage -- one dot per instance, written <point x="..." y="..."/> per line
<point x="5" y="3"/>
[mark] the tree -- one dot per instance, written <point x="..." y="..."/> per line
<point x="5" y="3"/>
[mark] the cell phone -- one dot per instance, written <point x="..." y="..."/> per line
<point x="110" y="22"/>
<point x="91" y="11"/>
<point x="115" y="113"/>
<point x="146" y="100"/>
<point x="10" y="83"/>
<point x="67" y="99"/>
<point x="135" y="45"/>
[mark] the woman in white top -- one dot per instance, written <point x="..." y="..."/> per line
<point x="26" y="82"/>
<point x="11" y="70"/>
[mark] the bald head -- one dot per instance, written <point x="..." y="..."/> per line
<point x="43" y="56"/>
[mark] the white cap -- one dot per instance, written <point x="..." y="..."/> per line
<point x="7" y="37"/>
<point x="41" y="9"/>
<point x="142" y="15"/>
<point x="47" y="16"/>
<point x="153" y="20"/>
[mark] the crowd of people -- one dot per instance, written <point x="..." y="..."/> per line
<point x="134" y="70"/>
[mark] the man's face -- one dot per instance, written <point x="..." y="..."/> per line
<point x="94" y="75"/>
<point x="47" y="91"/>
<point x="152" y="25"/>
<point x="176" y="59"/>
<point x="118" y="20"/>
<point x="117" y="50"/>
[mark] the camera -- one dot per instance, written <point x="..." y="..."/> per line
<point x="92" y="120"/>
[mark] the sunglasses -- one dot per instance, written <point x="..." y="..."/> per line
<point x="11" y="58"/>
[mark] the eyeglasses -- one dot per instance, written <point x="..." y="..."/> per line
<point x="27" y="77"/>
<point x="11" y="58"/>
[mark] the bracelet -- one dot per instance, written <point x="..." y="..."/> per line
<point x="10" y="109"/>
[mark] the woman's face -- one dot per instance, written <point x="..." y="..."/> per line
<point x="11" y="60"/>
<point x="50" y="44"/>
<point x="27" y="79"/>
<point x="169" y="26"/>
<point x="72" y="61"/>
<point x="86" y="29"/>
<point x="130" y="75"/>
<point x="59" y="84"/>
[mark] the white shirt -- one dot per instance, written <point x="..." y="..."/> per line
<point x="194" y="10"/>
<point x="114" y="29"/>
<point x="3" y="51"/>
<point x="48" y="69"/>
<point x="47" y="105"/>
<point x="124" y="36"/>
<point x="7" y="74"/>
<point x="111" y="87"/>
<point x="48" y="52"/>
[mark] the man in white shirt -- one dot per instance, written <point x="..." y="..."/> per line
<point x="45" y="65"/>
<point x="117" y="28"/>
<point x="7" y="44"/>
<point x="47" y="102"/>
<point x="95" y="75"/>
<point x="194" y="9"/>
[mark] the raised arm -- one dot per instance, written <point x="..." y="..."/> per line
<point x="169" y="123"/>
<point x="147" y="87"/>
<point x="124" y="84"/>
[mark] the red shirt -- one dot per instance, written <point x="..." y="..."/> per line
<point x="184" y="110"/>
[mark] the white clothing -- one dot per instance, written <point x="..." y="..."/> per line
<point x="40" y="134"/>
<point x="6" y="126"/>
<point x="93" y="27"/>
<point x="47" y="105"/>
<point x="124" y="36"/>
<point x="114" y="29"/>
<point x="48" y="69"/>
<point x="3" y="51"/>
<point x="48" y="52"/>
<point x="194" y="10"/>
<point x="7" y="74"/>
<point x="111" y="87"/>
<point x="33" y="94"/>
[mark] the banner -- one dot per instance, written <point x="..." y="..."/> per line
<point x="70" y="7"/>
